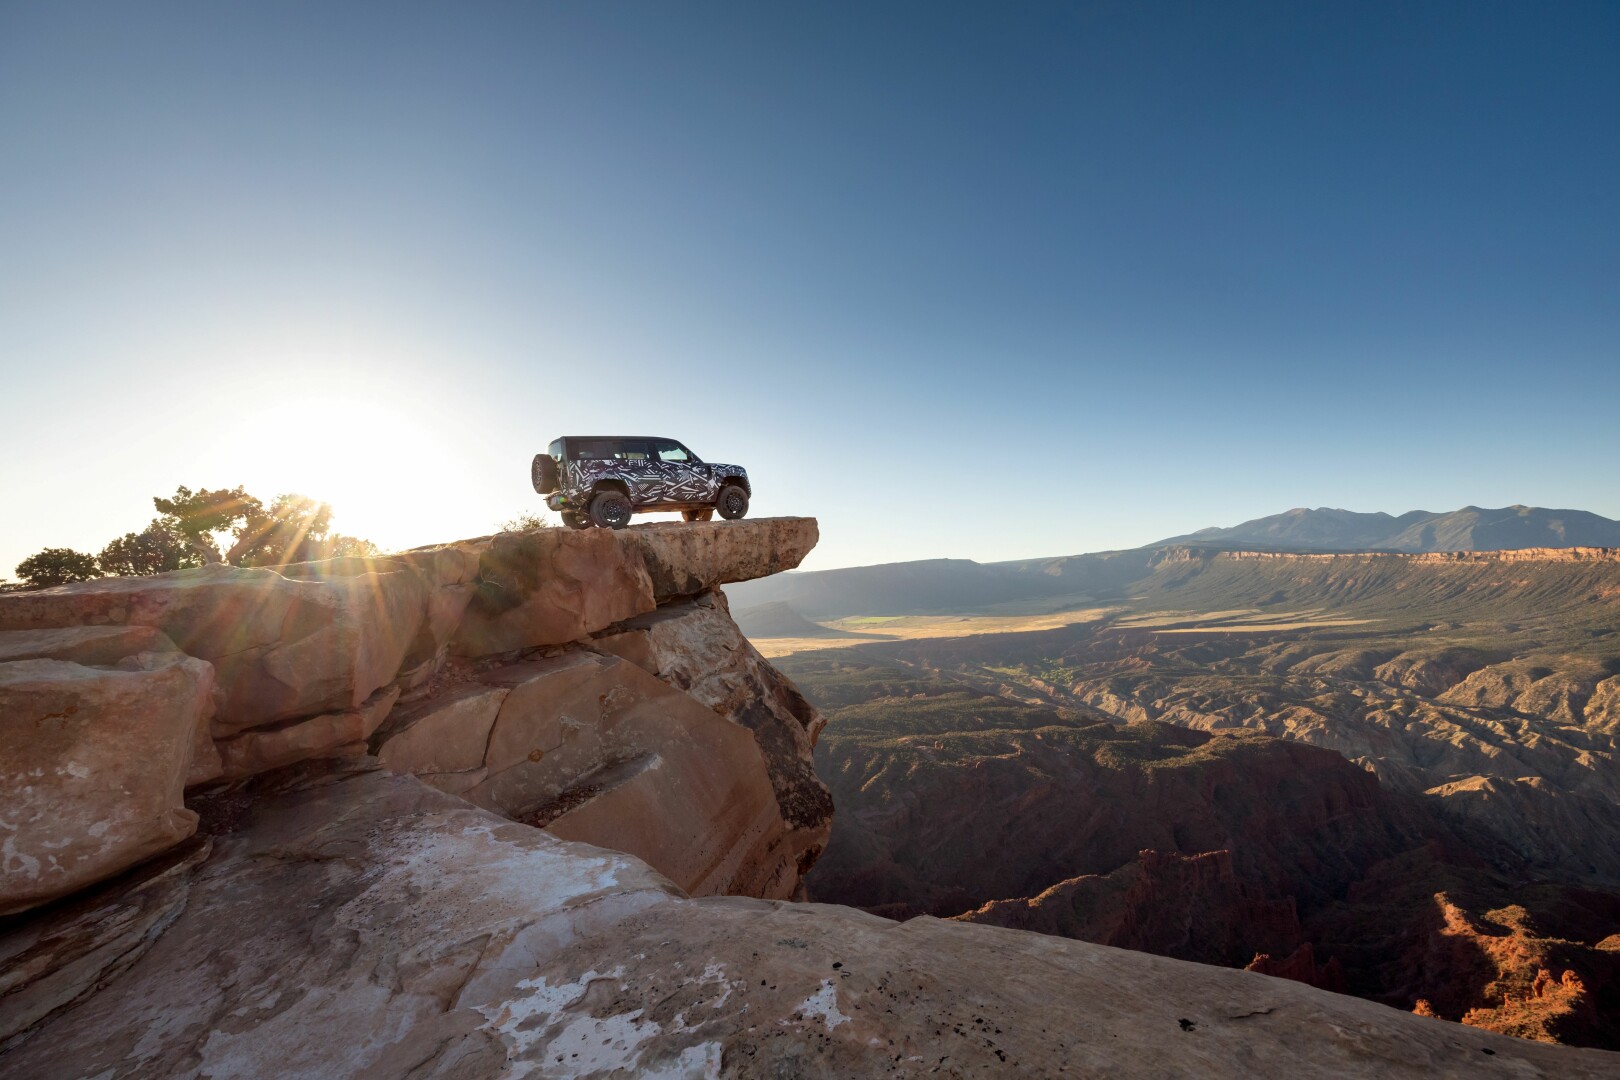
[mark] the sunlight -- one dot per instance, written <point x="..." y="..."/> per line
<point x="368" y="458"/>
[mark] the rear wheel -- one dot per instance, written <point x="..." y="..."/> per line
<point x="697" y="515"/>
<point x="732" y="501"/>
<point x="611" y="509"/>
<point x="575" y="520"/>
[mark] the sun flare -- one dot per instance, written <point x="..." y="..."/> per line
<point x="368" y="459"/>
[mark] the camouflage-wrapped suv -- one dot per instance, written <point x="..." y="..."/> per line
<point x="602" y="480"/>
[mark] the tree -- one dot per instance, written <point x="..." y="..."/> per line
<point x="292" y="529"/>
<point x="197" y="516"/>
<point x="157" y="549"/>
<point x="57" y="566"/>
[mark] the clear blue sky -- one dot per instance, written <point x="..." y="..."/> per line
<point x="992" y="280"/>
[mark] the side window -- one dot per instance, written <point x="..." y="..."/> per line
<point x="610" y="450"/>
<point x="670" y="451"/>
<point x="555" y="450"/>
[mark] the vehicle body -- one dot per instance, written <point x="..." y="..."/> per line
<point x="603" y="479"/>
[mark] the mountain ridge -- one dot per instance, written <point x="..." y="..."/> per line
<point x="1471" y="528"/>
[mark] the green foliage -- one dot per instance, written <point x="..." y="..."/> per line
<point x="291" y="529"/>
<point x="157" y="549"/>
<point x="57" y="566"/>
<point x="199" y="515"/>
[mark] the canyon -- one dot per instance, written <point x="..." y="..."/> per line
<point x="532" y="805"/>
<point x="1137" y="776"/>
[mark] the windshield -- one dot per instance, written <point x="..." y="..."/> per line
<point x="670" y="450"/>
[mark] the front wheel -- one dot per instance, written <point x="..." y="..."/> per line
<point x="611" y="510"/>
<point x="732" y="501"/>
<point x="697" y="515"/>
<point x="575" y="520"/>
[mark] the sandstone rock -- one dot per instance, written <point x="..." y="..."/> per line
<point x="328" y="735"/>
<point x="597" y="749"/>
<point x="282" y="647"/>
<point x="551" y="586"/>
<point x="449" y="572"/>
<point x="447" y="735"/>
<point x="685" y="559"/>
<point x="93" y="762"/>
<point x="94" y="646"/>
<point x="61" y="956"/>
<point x="695" y="647"/>
<point x="368" y="926"/>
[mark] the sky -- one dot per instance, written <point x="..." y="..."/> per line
<point x="985" y="281"/>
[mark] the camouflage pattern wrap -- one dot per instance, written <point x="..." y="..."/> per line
<point x="649" y="482"/>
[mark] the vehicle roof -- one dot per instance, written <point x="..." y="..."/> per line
<point x="665" y="438"/>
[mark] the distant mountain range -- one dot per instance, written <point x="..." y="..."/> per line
<point x="1472" y="528"/>
<point x="935" y="586"/>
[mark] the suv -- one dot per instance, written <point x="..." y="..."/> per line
<point x="602" y="480"/>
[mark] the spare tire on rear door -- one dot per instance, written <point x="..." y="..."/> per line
<point x="544" y="474"/>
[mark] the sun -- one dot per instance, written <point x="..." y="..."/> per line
<point x="368" y="458"/>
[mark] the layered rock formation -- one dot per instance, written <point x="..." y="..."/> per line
<point x="356" y="923"/>
<point x="387" y="877"/>
<point x="1477" y="691"/>
<point x="473" y="664"/>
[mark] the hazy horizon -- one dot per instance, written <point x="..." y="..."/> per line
<point x="960" y="281"/>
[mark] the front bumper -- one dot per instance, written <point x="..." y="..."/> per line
<point x="556" y="501"/>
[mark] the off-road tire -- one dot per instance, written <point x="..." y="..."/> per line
<point x="698" y="515"/>
<point x="575" y="520"/>
<point x="732" y="502"/>
<point x="611" y="509"/>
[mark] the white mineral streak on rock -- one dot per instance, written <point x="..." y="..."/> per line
<point x="824" y="1004"/>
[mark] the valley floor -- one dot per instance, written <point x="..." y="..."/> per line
<point x="1391" y="776"/>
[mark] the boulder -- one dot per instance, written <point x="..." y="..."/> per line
<point x="684" y="559"/>
<point x="282" y="647"/>
<point x="93" y="764"/>
<point x="363" y="924"/>
<point x="551" y="586"/>
<point x="443" y="735"/>
<point x="596" y="749"/>
<point x="97" y="646"/>
<point x="695" y="647"/>
<point x="450" y="574"/>
<point x="328" y="735"/>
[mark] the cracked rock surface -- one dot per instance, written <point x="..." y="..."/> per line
<point x="349" y="922"/>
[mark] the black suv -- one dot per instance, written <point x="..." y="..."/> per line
<point x="602" y="480"/>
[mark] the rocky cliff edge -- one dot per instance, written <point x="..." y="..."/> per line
<point x="468" y="812"/>
<point x="589" y="682"/>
